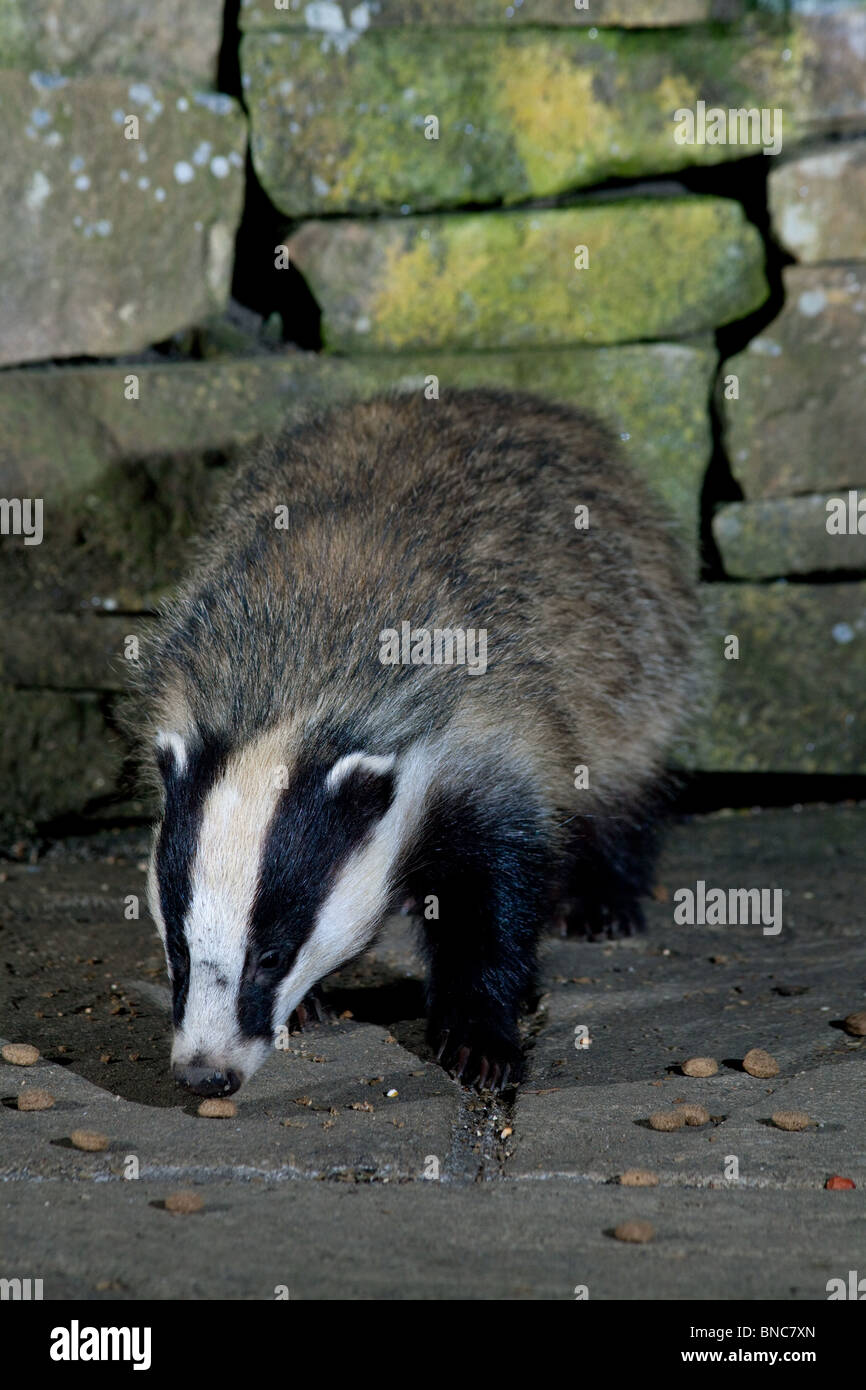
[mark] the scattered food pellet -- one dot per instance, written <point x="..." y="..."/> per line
<point x="700" y="1066"/>
<point x="757" y="1062"/>
<point x="362" y="1105"/>
<point x="635" y="1232"/>
<point x="791" y="1119"/>
<point x="35" y="1100"/>
<point x="667" y="1119"/>
<point x="638" y="1177"/>
<point x="855" y="1024"/>
<point x="696" y="1114"/>
<point x="88" y="1139"/>
<point x="20" y="1054"/>
<point x="183" y="1202"/>
<point x="216" y="1109"/>
<point x="837" y="1184"/>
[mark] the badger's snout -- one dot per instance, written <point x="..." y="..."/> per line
<point x="206" y="1079"/>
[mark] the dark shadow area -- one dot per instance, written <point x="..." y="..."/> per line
<point x="715" y="791"/>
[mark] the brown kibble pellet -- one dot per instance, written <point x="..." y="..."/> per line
<point x="700" y="1066"/>
<point x="635" y="1232"/>
<point x="20" y="1054"/>
<point x="216" y="1109"/>
<point x="695" y="1114"/>
<point x="89" y="1140"/>
<point x="184" y="1202"/>
<point x="667" y="1120"/>
<point x="855" y="1024"/>
<point x="638" y="1177"/>
<point x="35" y="1100"/>
<point x="757" y="1062"/>
<point x="791" y="1119"/>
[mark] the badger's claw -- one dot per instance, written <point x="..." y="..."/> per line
<point x="596" y="920"/>
<point x="477" y="1055"/>
<point x="309" y="1012"/>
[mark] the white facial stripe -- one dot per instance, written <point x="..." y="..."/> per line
<point x="353" y="909"/>
<point x="225" y="872"/>
<point x="153" y="889"/>
<point x="371" y="761"/>
<point x="175" y="745"/>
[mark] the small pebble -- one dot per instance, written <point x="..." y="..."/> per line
<point x="216" y="1109"/>
<point x="837" y="1184"/>
<point x="184" y="1202"/>
<point x="695" y="1114"/>
<point x="20" y="1054"/>
<point x="700" y="1066"/>
<point x="667" y="1119"/>
<point x="89" y="1140"/>
<point x="35" y="1100"/>
<point x="635" y="1232"/>
<point x="638" y="1177"/>
<point x="791" y="1119"/>
<point x="855" y="1024"/>
<point x="757" y="1062"/>
<point x="507" y="1132"/>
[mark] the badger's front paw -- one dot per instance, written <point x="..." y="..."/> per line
<point x="309" y="1012"/>
<point x="596" y="919"/>
<point x="476" y="1053"/>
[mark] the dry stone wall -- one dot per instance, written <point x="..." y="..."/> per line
<point x="465" y="192"/>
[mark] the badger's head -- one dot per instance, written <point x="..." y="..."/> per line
<point x="268" y="871"/>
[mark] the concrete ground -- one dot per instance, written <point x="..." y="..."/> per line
<point x="325" y="1186"/>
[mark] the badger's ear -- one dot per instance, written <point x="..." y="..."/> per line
<point x="171" y="754"/>
<point x="363" y="782"/>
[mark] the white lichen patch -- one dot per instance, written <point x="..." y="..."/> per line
<point x="38" y="190"/>
<point x="217" y="102"/>
<point x="812" y="302"/>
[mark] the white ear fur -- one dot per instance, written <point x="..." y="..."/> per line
<point x="371" y="762"/>
<point x="175" y="746"/>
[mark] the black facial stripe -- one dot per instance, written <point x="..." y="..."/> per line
<point x="311" y="835"/>
<point x="185" y="793"/>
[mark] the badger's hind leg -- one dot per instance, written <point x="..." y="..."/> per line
<point x="610" y="867"/>
<point x="480" y="880"/>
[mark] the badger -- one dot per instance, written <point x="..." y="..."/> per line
<point x="431" y="651"/>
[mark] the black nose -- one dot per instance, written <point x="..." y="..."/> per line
<point x="206" y="1081"/>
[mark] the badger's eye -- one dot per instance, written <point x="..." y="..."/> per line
<point x="269" y="960"/>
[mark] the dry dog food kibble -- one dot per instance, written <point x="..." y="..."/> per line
<point x="35" y="1100"/>
<point x="791" y="1119"/>
<point x="217" y="1109"/>
<point x="700" y="1066"/>
<point x="837" y="1184"/>
<point x="20" y="1054"/>
<point x="88" y="1139"/>
<point x="638" y="1177"/>
<point x="855" y="1024"/>
<point x="635" y="1232"/>
<point x="184" y="1202"/>
<point x="667" y="1119"/>
<point x="757" y="1062"/>
<point x="695" y="1114"/>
